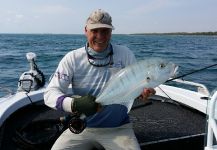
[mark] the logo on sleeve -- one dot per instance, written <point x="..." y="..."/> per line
<point x="61" y="76"/>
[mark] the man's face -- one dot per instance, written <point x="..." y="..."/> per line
<point x="99" y="38"/>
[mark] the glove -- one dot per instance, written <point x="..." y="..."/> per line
<point x="85" y="105"/>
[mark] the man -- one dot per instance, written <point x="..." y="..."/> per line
<point x="88" y="69"/>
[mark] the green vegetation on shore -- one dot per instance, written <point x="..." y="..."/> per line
<point x="179" y="33"/>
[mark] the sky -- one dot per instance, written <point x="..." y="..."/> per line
<point x="128" y="16"/>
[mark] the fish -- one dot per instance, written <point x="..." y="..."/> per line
<point x="127" y="84"/>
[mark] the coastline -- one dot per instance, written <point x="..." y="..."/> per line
<point x="178" y="33"/>
<point x="153" y="33"/>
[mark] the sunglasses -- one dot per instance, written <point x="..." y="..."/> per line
<point x="100" y="62"/>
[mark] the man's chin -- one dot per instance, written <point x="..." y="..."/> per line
<point x="99" y="48"/>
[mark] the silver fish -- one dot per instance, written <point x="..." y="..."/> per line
<point x="129" y="82"/>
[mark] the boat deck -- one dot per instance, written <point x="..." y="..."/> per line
<point x="157" y="124"/>
<point x="168" y="125"/>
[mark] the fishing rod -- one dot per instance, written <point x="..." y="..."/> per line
<point x="181" y="76"/>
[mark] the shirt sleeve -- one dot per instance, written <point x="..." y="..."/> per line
<point x="56" y="90"/>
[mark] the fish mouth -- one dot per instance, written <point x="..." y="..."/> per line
<point x="174" y="72"/>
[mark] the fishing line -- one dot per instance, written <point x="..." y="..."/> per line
<point x="165" y="93"/>
<point x="178" y="78"/>
<point x="29" y="98"/>
<point x="184" y="76"/>
<point x="191" y="72"/>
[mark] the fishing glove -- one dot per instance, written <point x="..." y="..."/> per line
<point x="85" y="105"/>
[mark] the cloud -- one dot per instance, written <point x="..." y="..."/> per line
<point x="19" y="16"/>
<point x="12" y="16"/>
<point x="149" y="7"/>
<point x="54" y="9"/>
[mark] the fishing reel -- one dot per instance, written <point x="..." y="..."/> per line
<point x="75" y="123"/>
<point x="40" y="134"/>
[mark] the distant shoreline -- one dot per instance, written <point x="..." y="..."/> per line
<point x="178" y="33"/>
<point x="154" y="33"/>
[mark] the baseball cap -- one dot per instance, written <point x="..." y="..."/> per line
<point x="99" y="19"/>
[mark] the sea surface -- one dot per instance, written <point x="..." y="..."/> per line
<point x="189" y="52"/>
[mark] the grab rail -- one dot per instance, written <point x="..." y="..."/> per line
<point x="212" y="125"/>
<point x="200" y="87"/>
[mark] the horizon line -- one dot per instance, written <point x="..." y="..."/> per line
<point x="208" y="32"/>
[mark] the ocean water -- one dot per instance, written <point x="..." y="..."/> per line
<point x="189" y="52"/>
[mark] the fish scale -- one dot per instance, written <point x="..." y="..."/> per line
<point x="128" y="83"/>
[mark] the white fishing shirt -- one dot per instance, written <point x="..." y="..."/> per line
<point x="86" y="79"/>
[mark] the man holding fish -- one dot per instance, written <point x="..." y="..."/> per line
<point x="88" y="69"/>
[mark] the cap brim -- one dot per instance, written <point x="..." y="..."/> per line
<point x="95" y="26"/>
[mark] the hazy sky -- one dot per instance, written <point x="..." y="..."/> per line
<point x="129" y="16"/>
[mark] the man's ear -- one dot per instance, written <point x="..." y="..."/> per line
<point x="85" y="30"/>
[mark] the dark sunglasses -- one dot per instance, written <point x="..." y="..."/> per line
<point x="109" y="63"/>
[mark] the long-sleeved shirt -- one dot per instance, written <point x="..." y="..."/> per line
<point x="87" y="79"/>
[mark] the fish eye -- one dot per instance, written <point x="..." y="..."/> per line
<point x="148" y="79"/>
<point x="162" y="65"/>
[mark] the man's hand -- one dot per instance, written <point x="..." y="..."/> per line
<point x="146" y="93"/>
<point x="85" y="105"/>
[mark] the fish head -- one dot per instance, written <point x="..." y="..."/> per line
<point x="167" y="68"/>
<point x="160" y="70"/>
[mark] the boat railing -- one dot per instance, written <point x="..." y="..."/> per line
<point x="212" y="125"/>
<point x="200" y="87"/>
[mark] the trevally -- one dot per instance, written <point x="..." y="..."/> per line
<point x="129" y="82"/>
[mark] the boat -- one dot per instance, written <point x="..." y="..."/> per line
<point x="176" y="117"/>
